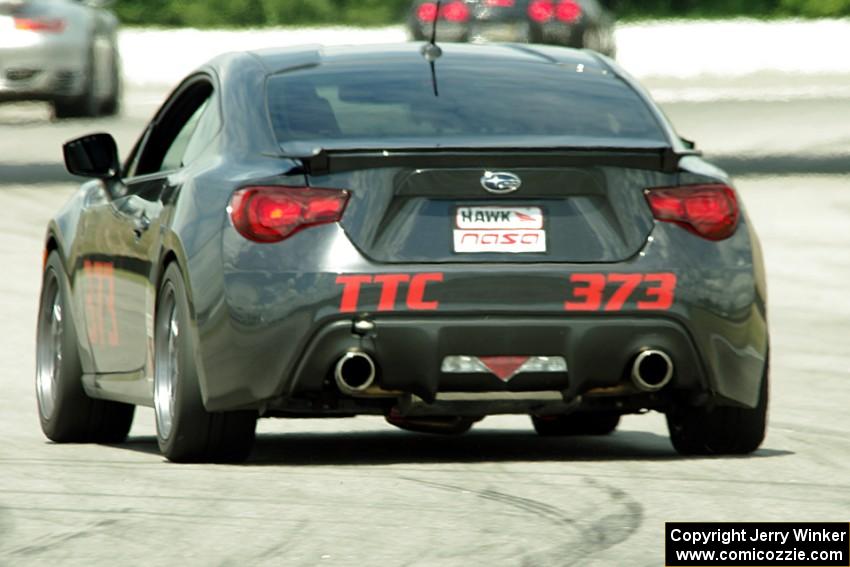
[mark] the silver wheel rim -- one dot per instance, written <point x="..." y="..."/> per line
<point x="49" y="357"/>
<point x="166" y="366"/>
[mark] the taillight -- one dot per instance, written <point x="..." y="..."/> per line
<point x="568" y="11"/>
<point x="710" y="211"/>
<point x="500" y="3"/>
<point x="40" y="25"/>
<point x="541" y="11"/>
<point x="456" y="12"/>
<point x="271" y="214"/>
<point x="427" y="12"/>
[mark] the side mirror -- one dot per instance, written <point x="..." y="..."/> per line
<point x="95" y="155"/>
<point x="690" y="144"/>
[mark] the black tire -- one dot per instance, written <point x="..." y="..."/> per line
<point x="435" y="425"/>
<point x="601" y="40"/>
<point x="83" y="106"/>
<point x="112" y="105"/>
<point x="720" y="430"/>
<point x="66" y="413"/>
<point x="579" y="423"/>
<point x="186" y="432"/>
<point x="415" y="32"/>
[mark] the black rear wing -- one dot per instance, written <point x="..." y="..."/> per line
<point x="323" y="161"/>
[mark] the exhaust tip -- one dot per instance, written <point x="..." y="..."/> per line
<point x="652" y="370"/>
<point x="355" y="372"/>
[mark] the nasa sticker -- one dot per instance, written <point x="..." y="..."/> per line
<point x="499" y="229"/>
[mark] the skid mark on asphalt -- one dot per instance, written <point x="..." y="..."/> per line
<point x="591" y="535"/>
<point x="617" y="526"/>
<point x="699" y="484"/>
<point x="273" y="552"/>
<point x="539" y="509"/>
<point x="168" y="516"/>
<point x="143" y="497"/>
<point x="595" y="534"/>
<point x="53" y="540"/>
<point x="5" y="524"/>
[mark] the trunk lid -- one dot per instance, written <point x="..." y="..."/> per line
<point x="591" y="212"/>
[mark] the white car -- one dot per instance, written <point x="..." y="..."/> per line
<point x="64" y="52"/>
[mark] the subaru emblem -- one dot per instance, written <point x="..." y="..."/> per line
<point x="500" y="182"/>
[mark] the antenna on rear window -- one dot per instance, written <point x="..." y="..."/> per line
<point x="431" y="51"/>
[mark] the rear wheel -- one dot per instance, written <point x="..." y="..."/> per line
<point x="720" y="430"/>
<point x="600" y="39"/>
<point x="579" y="423"/>
<point x="66" y="413"/>
<point x="186" y="432"/>
<point x="83" y="106"/>
<point x="112" y="105"/>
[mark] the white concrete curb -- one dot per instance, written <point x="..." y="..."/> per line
<point x="696" y="53"/>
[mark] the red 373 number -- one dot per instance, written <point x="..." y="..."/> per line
<point x="610" y="292"/>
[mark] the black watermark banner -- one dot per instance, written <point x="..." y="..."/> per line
<point x="767" y="544"/>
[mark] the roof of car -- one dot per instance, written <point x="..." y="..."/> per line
<point x="277" y="60"/>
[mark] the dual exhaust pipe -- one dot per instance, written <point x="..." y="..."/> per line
<point x="355" y="371"/>
<point x="651" y="370"/>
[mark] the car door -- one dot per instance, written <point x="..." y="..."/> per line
<point x="125" y="230"/>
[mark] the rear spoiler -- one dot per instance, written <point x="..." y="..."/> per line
<point x="323" y="161"/>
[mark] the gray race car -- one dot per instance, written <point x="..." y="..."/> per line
<point x="407" y="232"/>
<point x="61" y="51"/>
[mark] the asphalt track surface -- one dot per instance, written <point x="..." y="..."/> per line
<point x="359" y="492"/>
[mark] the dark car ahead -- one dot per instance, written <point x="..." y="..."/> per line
<point x="347" y="231"/>
<point x="570" y="23"/>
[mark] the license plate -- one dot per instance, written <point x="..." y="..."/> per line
<point x="512" y="230"/>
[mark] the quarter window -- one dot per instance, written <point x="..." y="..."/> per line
<point x="181" y="134"/>
<point x="174" y="157"/>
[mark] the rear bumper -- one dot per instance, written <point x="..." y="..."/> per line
<point x="409" y="351"/>
<point x="560" y="33"/>
<point x="500" y="31"/>
<point x="284" y="318"/>
<point x="42" y="72"/>
<point x="446" y="31"/>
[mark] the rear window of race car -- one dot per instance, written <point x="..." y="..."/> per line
<point x="396" y="102"/>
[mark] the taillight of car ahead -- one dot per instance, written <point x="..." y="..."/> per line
<point x="710" y="211"/>
<point x="427" y="12"/>
<point x="568" y="11"/>
<point x="40" y="25"/>
<point x="457" y="12"/>
<point x="543" y="11"/>
<point x="271" y="214"/>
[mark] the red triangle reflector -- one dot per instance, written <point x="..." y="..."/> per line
<point x="504" y="367"/>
